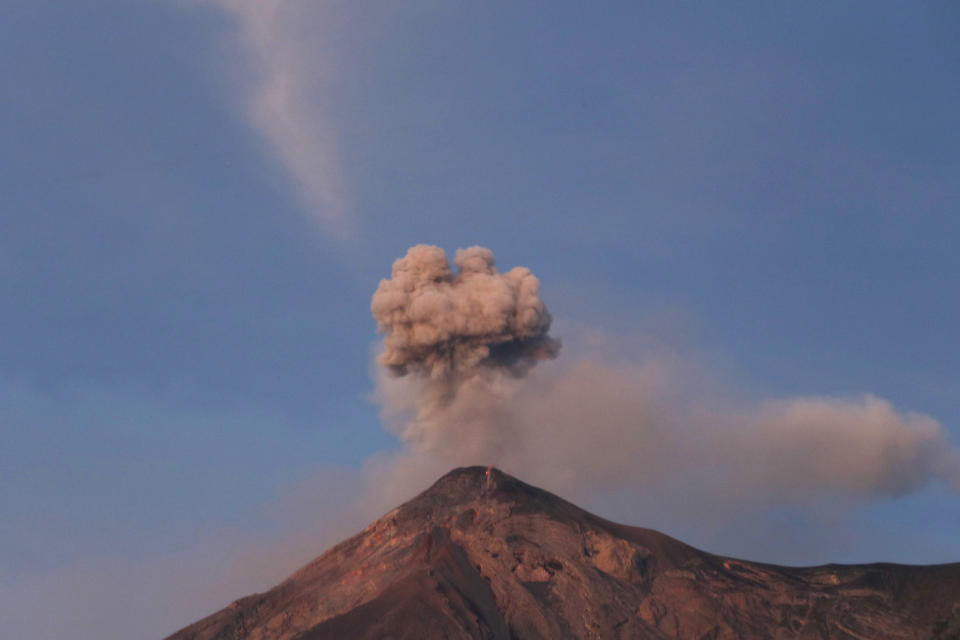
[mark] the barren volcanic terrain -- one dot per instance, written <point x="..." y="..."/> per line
<point x="482" y="555"/>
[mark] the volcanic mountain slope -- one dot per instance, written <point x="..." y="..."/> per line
<point x="482" y="555"/>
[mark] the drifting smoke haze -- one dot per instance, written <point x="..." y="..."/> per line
<point x="652" y="427"/>
<point x="457" y="382"/>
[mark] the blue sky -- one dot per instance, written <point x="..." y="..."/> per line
<point x="199" y="198"/>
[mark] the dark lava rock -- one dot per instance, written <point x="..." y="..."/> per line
<point x="480" y="554"/>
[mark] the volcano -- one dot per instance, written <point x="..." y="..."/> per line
<point x="481" y="554"/>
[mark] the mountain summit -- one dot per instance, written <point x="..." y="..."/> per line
<point x="481" y="554"/>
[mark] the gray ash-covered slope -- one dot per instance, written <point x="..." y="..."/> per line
<point x="482" y="555"/>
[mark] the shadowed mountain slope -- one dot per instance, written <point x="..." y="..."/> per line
<point x="481" y="554"/>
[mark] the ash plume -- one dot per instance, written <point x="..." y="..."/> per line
<point x="458" y="383"/>
<point x="460" y="336"/>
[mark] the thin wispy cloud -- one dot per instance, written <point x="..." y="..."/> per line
<point x="291" y="69"/>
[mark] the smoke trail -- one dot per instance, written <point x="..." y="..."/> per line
<point x="461" y="337"/>
<point x="287" y="63"/>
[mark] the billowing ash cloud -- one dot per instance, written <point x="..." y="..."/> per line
<point x="444" y="324"/>
<point x="458" y="334"/>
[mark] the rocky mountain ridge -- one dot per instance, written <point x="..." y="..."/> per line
<point x="481" y="554"/>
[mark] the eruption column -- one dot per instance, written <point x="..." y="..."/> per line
<point x="460" y="334"/>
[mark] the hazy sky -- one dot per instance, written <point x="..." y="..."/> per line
<point x="198" y="199"/>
